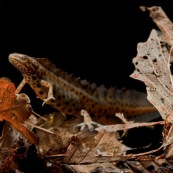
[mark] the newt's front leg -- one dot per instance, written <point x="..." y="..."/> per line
<point x="21" y="85"/>
<point x="50" y="92"/>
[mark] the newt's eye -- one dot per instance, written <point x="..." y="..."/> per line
<point x="23" y="58"/>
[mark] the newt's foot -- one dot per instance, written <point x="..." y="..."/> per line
<point x="46" y="100"/>
<point x="88" y="122"/>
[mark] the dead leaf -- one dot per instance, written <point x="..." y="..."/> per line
<point x="96" y="168"/>
<point x="152" y="68"/>
<point x="129" y="125"/>
<point x="101" y="147"/>
<point x="11" y="105"/>
<point x="24" y="109"/>
<point x="162" y="21"/>
<point x="54" y="133"/>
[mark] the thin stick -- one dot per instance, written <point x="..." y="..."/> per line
<point x="39" y="116"/>
<point x="38" y="127"/>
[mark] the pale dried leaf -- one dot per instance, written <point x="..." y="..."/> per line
<point x="166" y="27"/>
<point x="130" y="125"/>
<point x="152" y="65"/>
<point x="152" y="68"/>
<point x="162" y="21"/>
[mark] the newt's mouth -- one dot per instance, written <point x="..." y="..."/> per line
<point x="20" y="61"/>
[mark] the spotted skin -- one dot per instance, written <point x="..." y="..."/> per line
<point x="71" y="94"/>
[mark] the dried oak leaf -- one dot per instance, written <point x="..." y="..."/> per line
<point x="15" y="108"/>
<point x="153" y="69"/>
<point x="101" y="147"/>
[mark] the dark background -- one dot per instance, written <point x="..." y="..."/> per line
<point x="95" y="41"/>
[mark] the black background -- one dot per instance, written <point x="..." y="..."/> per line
<point x="95" y="41"/>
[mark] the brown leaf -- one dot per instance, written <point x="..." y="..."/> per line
<point x="101" y="147"/>
<point x="19" y="105"/>
<point x="23" y="110"/>
<point x="7" y="90"/>
<point x="54" y="133"/>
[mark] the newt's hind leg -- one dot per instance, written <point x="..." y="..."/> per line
<point x="50" y="92"/>
<point x="88" y="122"/>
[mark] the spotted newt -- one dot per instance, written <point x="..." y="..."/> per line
<point x="70" y="95"/>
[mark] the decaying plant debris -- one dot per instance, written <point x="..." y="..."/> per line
<point x="52" y="143"/>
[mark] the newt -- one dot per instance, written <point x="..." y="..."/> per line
<point x="70" y="95"/>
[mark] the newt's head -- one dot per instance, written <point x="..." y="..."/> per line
<point x="23" y="63"/>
